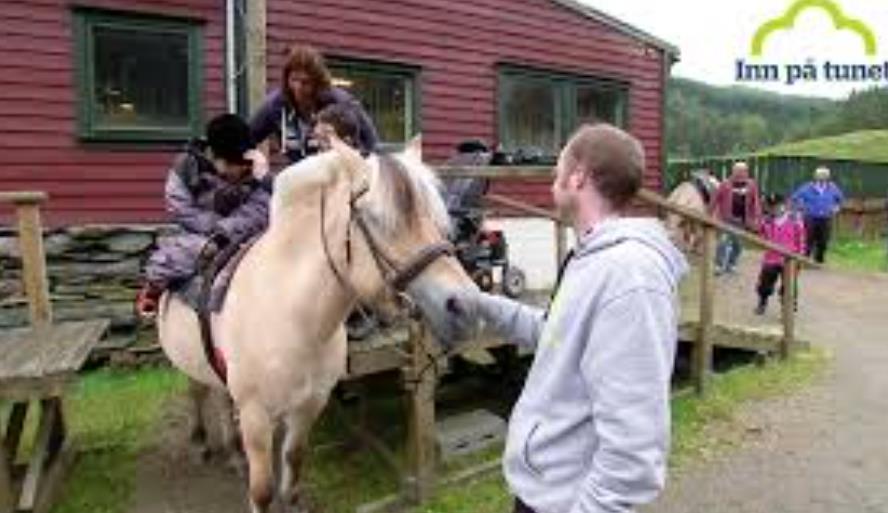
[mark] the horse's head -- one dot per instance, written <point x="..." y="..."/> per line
<point x="401" y="251"/>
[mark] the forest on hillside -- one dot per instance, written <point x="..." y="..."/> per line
<point x="704" y="120"/>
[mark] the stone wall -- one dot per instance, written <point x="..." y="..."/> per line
<point x="93" y="272"/>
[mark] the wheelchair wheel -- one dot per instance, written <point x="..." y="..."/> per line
<point x="514" y="281"/>
<point x="484" y="279"/>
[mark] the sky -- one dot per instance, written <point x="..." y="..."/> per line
<point x="714" y="35"/>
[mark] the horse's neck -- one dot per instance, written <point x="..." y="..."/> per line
<point x="295" y="241"/>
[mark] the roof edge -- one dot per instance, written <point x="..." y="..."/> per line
<point x="607" y="19"/>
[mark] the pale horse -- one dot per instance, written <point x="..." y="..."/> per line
<point x="694" y="194"/>
<point x="342" y="229"/>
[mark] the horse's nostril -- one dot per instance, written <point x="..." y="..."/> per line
<point x="454" y="306"/>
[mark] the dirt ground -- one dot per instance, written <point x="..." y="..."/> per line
<point x="822" y="450"/>
<point x="819" y="451"/>
<point x="171" y="478"/>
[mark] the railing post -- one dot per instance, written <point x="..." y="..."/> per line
<point x="420" y="385"/>
<point x="703" y="348"/>
<point x="30" y="239"/>
<point x="790" y="281"/>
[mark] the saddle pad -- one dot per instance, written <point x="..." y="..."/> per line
<point x="190" y="290"/>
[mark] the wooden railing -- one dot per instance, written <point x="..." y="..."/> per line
<point x="702" y="359"/>
<point x="30" y="230"/>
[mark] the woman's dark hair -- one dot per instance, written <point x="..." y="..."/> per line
<point x="305" y="58"/>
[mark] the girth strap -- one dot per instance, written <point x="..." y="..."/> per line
<point x="204" y="313"/>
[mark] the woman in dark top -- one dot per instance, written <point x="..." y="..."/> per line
<point x="289" y="113"/>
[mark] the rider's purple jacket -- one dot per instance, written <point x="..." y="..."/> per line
<point x="202" y="204"/>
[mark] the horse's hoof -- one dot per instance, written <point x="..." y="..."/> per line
<point x="200" y="454"/>
<point x="198" y="436"/>
<point x="237" y="465"/>
<point x="302" y="505"/>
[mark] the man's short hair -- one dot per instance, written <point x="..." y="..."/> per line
<point x="612" y="158"/>
<point x="822" y="173"/>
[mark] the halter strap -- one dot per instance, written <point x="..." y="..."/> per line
<point x="419" y="262"/>
<point x="399" y="278"/>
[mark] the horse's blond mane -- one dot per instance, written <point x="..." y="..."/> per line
<point x="292" y="184"/>
<point x="400" y="185"/>
<point x="403" y="185"/>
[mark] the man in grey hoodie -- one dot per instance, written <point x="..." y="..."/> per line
<point x="590" y="432"/>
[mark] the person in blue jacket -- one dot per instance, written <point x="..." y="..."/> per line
<point x="287" y="116"/>
<point x="819" y="201"/>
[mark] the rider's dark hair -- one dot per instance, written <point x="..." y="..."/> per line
<point x="228" y="136"/>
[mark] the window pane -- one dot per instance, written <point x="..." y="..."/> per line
<point x="596" y="105"/>
<point x="141" y="78"/>
<point x="387" y="97"/>
<point x="530" y="114"/>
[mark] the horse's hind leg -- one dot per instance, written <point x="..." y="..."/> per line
<point x="231" y="437"/>
<point x="198" y="394"/>
<point x="257" y="431"/>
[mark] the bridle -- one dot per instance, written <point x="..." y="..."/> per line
<point x="397" y="277"/>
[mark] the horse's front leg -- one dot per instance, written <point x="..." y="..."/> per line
<point x="293" y="451"/>
<point x="257" y="431"/>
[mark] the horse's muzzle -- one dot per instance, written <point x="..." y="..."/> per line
<point x="450" y="312"/>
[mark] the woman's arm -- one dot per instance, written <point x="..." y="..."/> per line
<point x="266" y="120"/>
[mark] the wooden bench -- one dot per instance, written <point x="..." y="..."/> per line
<point x="36" y="365"/>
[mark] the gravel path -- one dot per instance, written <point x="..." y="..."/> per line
<point x="822" y="450"/>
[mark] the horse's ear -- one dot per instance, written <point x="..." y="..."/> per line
<point x="413" y="148"/>
<point x="356" y="164"/>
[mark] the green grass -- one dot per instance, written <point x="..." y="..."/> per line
<point x="864" y="145"/>
<point x="858" y="255"/>
<point x="113" y="413"/>
<point x="698" y="423"/>
<point x="110" y="415"/>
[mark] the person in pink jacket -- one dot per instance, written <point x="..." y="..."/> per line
<point x="783" y="227"/>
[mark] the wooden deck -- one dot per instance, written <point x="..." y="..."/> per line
<point x="735" y="326"/>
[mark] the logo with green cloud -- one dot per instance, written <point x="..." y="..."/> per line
<point x="787" y="22"/>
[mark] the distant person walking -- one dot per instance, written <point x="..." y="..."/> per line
<point x="784" y="228"/>
<point x="819" y="200"/>
<point x="737" y="203"/>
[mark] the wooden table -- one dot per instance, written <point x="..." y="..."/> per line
<point x="36" y="365"/>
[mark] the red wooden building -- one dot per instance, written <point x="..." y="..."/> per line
<point x="96" y="95"/>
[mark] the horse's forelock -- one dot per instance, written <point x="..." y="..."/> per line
<point x="406" y="186"/>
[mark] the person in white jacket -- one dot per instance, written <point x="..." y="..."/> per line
<point x="590" y="432"/>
